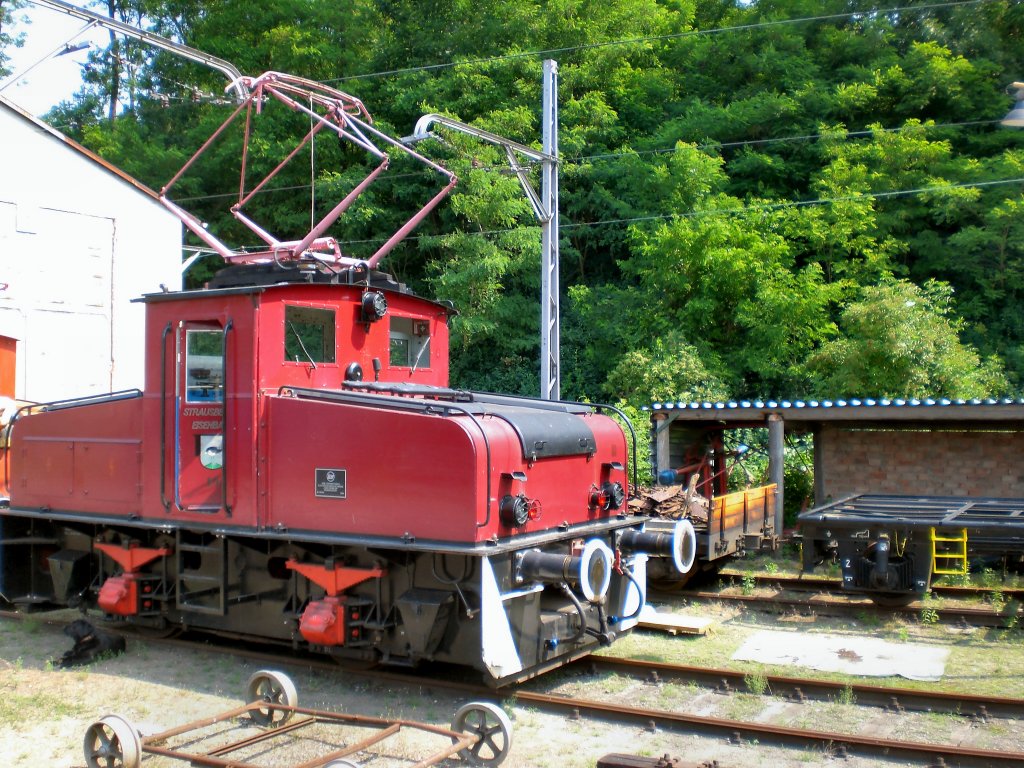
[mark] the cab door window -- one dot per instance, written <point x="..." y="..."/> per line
<point x="204" y="366"/>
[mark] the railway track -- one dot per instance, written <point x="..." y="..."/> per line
<point x="726" y="682"/>
<point x="822" y="598"/>
<point x="814" y="584"/>
<point x="802" y="689"/>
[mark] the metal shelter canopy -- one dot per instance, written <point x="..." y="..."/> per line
<point x="882" y="410"/>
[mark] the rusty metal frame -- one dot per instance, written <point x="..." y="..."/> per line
<point x="216" y="758"/>
<point x="328" y="109"/>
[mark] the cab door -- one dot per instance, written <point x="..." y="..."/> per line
<point x="199" y="387"/>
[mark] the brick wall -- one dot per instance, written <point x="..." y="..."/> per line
<point x="934" y="463"/>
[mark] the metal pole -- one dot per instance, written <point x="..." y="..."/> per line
<point x="776" y="464"/>
<point x="550" y="380"/>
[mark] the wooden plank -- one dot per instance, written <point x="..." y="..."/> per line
<point x="675" y="624"/>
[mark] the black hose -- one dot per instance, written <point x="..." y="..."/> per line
<point x="639" y="592"/>
<point x="579" y="609"/>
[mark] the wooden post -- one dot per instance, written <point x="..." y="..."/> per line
<point x="776" y="464"/>
<point x="819" y="465"/>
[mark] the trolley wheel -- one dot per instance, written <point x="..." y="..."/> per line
<point x="274" y="688"/>
<point x="893" y="599"/>
<point x="493" y="730"/>
<point x="112" y="742"/>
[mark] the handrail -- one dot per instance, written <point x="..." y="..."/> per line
<point x="77" y="402"/>
<point x="228" y="327"/>
<point x="163" y="418"/>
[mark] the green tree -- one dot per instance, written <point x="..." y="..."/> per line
<point x="899" y="340"/>
<point x="670" y="370"/>
<point x="7" y="40"/>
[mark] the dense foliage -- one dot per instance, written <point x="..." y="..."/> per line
<point x="781" y="198"/>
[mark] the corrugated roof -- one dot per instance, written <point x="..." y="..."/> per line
<point x="809" y="404"/>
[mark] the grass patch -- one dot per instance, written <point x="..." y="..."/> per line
<point x="742" y="706"/>
<point x="756" y="682"/>
<point x="16" y="707"/>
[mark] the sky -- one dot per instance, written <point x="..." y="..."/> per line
<point x="56" y="78"/>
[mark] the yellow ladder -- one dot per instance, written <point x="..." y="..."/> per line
<point x="954" y="558"/>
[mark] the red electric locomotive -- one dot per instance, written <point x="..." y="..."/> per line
<point x="297" y="469"/>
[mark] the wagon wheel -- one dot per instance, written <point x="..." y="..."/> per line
<point x="698" y="574"/>
<point x="112" y="742"/>
<point x="272" y="688"/>
<point x="492" y="728"/>
<point x="673" y="584"/>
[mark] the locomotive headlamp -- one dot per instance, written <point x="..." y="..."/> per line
<point x="354" y="372"/>
<point x="615" y="494"/>
<point x="680" y="545"/>
<point x="518" y="510"/>
<point x="591" y="570"/>
<point x="514" y="510"/>
<point x="374" y="306"/>
<point x="609" y="497"/>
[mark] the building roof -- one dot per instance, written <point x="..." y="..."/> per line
<point x="854" y="410"/>
<point x="76" y="147"/>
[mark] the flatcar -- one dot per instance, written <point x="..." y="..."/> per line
<point x="890" y="548"/>
<point x="721" y="523"/>
<point x="297" y="469"/>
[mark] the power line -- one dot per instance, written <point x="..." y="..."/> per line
<point x="655" y="38"/>
<point x="580" y="161"/>
<point x="781" y="139"/>
<point x="737" y="211"/>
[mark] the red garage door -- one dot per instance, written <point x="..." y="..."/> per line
<point x="7" y="366"/>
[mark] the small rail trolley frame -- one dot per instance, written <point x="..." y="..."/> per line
<point x="480" y="733"/>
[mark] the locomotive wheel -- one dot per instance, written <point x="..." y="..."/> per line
<point x="161" y="631"/>
<point x="272" y="688"/>
<point x="893" y="599"/>
<point x="112" y="742"/>
<point x="492" y="728"/>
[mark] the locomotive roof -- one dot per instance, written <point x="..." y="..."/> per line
<point x="252" y="279"/>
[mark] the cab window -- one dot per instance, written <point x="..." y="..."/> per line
<point x="410" y="343"/>
<point x="204" y="366"/>
<point x="308" y="335"/>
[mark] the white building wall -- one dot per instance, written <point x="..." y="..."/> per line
<point x="77" y="244"/>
